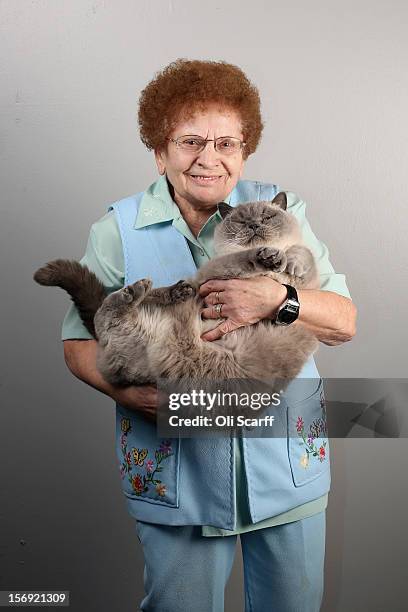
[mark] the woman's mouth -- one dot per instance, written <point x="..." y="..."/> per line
<point x="203" y="179"/>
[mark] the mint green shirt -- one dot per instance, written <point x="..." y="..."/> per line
<point x="104" y="255"/>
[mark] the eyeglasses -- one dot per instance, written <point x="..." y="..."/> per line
<point x="227" y="145"/>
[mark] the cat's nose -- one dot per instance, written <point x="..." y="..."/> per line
<point x="254" y="226"/>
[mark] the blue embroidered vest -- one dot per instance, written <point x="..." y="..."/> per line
<point x="191" y="481"/>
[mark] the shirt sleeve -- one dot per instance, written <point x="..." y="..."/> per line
<point x="329" y="279"/>
<point x="104" y="256"/>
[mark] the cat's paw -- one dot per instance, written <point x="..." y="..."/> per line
<point x="181" y="292"/>
<point x="297" y="268"/>
<point x="137" y="291"/>
<point x="271" y="259"/>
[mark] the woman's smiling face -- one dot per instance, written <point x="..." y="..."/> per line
<point x="203" y="179"/>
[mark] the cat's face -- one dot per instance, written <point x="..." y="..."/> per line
<point x="255" y="224"/>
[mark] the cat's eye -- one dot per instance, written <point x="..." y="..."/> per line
<point x="269" y="214"/>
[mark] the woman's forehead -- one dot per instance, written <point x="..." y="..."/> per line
<point x="210" y="120"/>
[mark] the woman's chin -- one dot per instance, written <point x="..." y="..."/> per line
<point x="214" y="190"/>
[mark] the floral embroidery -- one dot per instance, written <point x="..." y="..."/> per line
<point x="149" y="212"/>
<point x="149" y="466"/>
<point x="299" y="424"/>
<point x="322" y="452"/>
<point x="317" y="429"/>
<point x="165" y="447"/>
<point x="125" y="426"/>
<point x="304" y="460"/>
<point x="141" y="483"/>
<point x="161" y="489"/>
<point x="137" y="484"/>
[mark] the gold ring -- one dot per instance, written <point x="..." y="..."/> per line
<point x="217" y="296"/>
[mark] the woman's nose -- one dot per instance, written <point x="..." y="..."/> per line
<point x="209" y="155"/>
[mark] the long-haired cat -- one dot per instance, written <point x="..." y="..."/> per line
<point x="145" y="334"/>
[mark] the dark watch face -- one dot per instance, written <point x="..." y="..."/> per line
<point x="286" y="316"/>
<point x="288" y="313"/>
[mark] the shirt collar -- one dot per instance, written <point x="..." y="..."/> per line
<point x="157" y="205"/>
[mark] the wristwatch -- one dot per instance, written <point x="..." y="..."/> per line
<point x="289" y="311"/>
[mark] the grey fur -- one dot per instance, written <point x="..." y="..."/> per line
<point x="146" y="334"/>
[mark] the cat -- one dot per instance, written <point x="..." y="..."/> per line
<point x="145" y="334"/>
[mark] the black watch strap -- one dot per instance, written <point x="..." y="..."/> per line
<point x="289" y="311"/>
<point x="292" y="293"/>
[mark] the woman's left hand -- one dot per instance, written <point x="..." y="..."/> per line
<point x="244" y="302"/>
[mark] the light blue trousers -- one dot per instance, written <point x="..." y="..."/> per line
<point x="187" y="572"/>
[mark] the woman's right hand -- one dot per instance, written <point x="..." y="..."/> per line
<point x="140" y="398"/>
<point x="80" y="357"/>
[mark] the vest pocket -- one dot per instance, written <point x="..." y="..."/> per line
<point x="149" y="466"/>
<point x="308" y="444"/>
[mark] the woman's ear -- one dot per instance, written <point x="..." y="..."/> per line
<point x="241" y="170"/>
<point x="160" y="161"/>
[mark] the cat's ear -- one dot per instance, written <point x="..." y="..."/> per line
<point x="224" y="209"/>
<point x="281" y="200"/>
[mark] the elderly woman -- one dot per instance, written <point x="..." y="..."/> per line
<point x="202" y="120"/>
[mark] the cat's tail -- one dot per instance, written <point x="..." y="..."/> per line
<point x="86" y="290"/>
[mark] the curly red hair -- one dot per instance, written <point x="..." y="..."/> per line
<point x="185" y="87"/>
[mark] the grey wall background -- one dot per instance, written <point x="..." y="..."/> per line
<point x="333" y="82"/>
